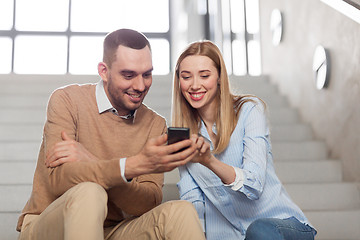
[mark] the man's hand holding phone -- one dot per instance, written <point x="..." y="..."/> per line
<point x="162" y="154"/>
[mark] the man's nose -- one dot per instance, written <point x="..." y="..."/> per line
<point x="139" y="83"/>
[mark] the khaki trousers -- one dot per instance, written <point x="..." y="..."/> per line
<point x="80" y="214"/>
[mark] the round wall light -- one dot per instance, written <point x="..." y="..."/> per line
<point x="321" y="67"/>
<point x="276" y="26"/>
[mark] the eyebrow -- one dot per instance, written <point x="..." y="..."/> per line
<point x="201" y="71"/>
<point x="134" y="72"/>
<point x="125" y="72"/>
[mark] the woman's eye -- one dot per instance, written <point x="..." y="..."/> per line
<point x="185" y="77"/>
<point x="205" y="76"/>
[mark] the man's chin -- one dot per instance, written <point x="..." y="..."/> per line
<point x="133" y="106"/>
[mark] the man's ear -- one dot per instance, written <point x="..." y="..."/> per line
<point x="103" y="71"/>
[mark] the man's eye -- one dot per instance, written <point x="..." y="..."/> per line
<point x="147" y="75"/>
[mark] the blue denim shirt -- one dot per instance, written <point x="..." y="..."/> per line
<point x="225" y="213"/>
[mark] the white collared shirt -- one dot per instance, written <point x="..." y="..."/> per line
<point x="104" y="105"/>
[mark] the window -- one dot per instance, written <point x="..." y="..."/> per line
<point x="66" y="36"/>
<point x="241" y="45"/>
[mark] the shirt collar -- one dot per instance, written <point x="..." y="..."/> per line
<point x="104" y="104"/>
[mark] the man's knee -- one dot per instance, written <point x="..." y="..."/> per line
<point x="87" y="193"/>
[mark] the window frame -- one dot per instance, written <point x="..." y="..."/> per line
<point x="13" y="33"/>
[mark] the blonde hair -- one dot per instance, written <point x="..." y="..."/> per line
<point x="227" y="105"/>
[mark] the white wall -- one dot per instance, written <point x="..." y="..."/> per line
<point x="334" y="113"/>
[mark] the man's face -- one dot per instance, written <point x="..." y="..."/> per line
<point x="128" y="79"/>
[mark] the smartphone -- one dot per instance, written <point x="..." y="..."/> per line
<point x="177" y="134"/>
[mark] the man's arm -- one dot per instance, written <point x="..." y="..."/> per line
<point x="62" y="116"/>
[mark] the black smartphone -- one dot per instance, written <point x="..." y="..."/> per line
<point x="177" y="134"/>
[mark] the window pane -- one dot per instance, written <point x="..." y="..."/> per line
<point x="252" y="16"/>
<point x="42" y="15"/>
<point x="237" y="16"/>
<point x="6" y="14"/>
<point x="239" y="57"/>
<point x="108" y="15"/>
<point x="5" y="56"/>
<point x="85" y="54"/>
<point x="161" y="56"/>
<point x="254" y="58"/>
<point x="40" y="55"/>
<point x="152" y="16"/>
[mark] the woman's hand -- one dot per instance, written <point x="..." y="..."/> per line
<point x="225" y="172"/>
<point x="204" y="153"/>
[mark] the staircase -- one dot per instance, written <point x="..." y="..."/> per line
<point x="312" y="180"/>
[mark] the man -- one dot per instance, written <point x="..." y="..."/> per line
<point x="100" y="167"/>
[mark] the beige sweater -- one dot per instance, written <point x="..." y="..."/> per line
<point x="107" y="136"/>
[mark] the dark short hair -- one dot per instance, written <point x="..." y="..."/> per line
<point x="122" y="37"/>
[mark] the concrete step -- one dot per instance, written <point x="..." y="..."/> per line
<point x="21" y="101"/>
<point x="295" y="151"/>
<point x="336" y="225"/>
<point x="283" y="115"/>
<point x="275" y="101"/>
<point x="8" y="221"/>
<point x="17" y="172"/>
<point x="19" y="151"/>
<point x="244" y="83"/>
<point x="322" y="171"/>
<point x="325" y="196"/>
<point x="25" y="116"/>
<point x="14" y="197"/>
<point x="299" y="132"/>
<point x="21" y="132"/>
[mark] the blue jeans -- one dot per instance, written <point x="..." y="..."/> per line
<point x="279" y="229"/>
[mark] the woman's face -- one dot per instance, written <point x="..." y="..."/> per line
<point x="198" y="78"/>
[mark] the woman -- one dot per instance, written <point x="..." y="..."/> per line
<point x="232" y="181"/>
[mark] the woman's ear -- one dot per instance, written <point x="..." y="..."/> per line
<point x="103" y="71"/>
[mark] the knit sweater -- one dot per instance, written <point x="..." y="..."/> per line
<point x="73" y="109"/>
